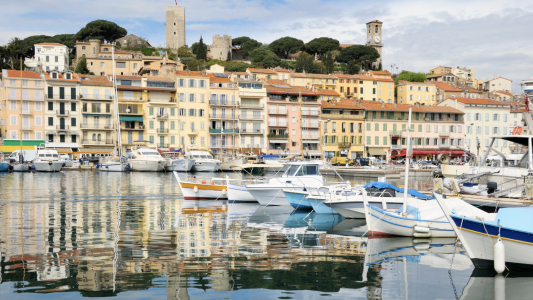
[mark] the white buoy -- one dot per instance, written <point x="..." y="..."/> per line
<point x="499" y="287"/>
<point x="196" y="189"/>
<point x="499" y="257"/>
<point x="224" y="192"/>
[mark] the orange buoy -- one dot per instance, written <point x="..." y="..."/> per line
<point x="212" y="182"/>
<point x="203" y="181"/>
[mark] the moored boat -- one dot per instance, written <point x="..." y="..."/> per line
<point x="47" y="160"/>
<point x="146" y="159"/>
<point x="177" y="163"/>
<point x="203" y="160"/>
<point x="196" y="189"/>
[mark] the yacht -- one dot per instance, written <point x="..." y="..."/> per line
<point x="115" y="164"/>
<point x="177" y="163"/>
<point x="146" y="159"/>
<point x="231" y="163"/>
<point x="47" y="160"/>
<point x="203" y="161"/>
<point x="298" y="176"/>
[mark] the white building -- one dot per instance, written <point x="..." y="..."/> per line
<point x="49" y="57"/>
<point x="527" y="86"/>
<point x="483" y="118"/>
<point x="498" y="84"/>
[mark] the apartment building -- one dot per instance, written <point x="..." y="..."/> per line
<point x="499" y="84"/>
<point x="97" y="121"/>
<point x="343" y="128"/>
<point x="99" y="58"/>
<point x="48" y="57"/>
<point x="21" y="105"/>
<point x="223" y="114"/>
<point x="161" y="114"/>
<point x="484" y="118"/>
<point x="62" y="112"/>
<point x="252" y="115"/>
<point x="318" y="81"/>
<point x="413" y="92"/>
<point x="131" y="106"/>
<point x="259" y="74"/>
<point x="382" y="86"/>
<point x="355" y="86"/>
<point x="445" y="91"/>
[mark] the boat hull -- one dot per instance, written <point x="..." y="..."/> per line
<point x="4" y="167"/>
<point x="45" y="166"/>
<point x="239" y="193"/>
<point x="319" y="207"/>
<point x="298" y="200"/>
<point x="389" y="223"/>
<point x="147" y="165"/>
<point x="271" y="195"/>
<point x="202" y="166"/>
<point x="354" y="209"/>
<point x="113" y="167"/>
<point x="21" y="168"/>
<point x="203" y="191"/>
<point x="233" y="165"/>
<point x="180" y="165"/>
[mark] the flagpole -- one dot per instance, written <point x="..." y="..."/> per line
<point x="408" y="155"/>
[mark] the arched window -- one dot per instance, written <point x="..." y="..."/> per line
<point x="94" y="137"/>
<point x="376" y="28"/>
<point x="118" y="56"/>
<point x="101" y="56"/>
<point x="99" y="137"/>
<point x="83" y="55"/>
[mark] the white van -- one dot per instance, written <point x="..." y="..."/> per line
<point x="29" y="155"/>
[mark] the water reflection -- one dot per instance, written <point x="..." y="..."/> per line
<point x="91" y="234"/>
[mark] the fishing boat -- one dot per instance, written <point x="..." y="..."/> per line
<point x="237" y="191"/>
<point x="203" y="160"/>
<point x="202" y="189"/>
<point x="483" y="239"/>
<point x="175" y="162"/>
<point x="146" y="159"/>
<point x="485" y="285"/>
<point x="234" y="163"/>
<point x="4" y="167"/>
<point x="299" y="176"/>
<point x="47" y="160"/>
<point x="300" y="200"/>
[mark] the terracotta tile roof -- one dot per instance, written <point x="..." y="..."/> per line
<point x="348" y="76"/>
<point x="192" y="74"/>
<point x="25" y="74"/>
<point x="60" y="77"/>
<point x="382" y="79"/>
<point x="447" y="87"/>
<point x="308" y="75"/>
<point x="281" y="70"/>
<point x="275" y="81"/>
<point x="478" y="101"/>
<point x="128" y="77"/>
<point x="50" y="44"/>
<point x="471" y="90"/>
<point x="95" y="80"/>
<point x="439" y="75"/>
<point x="345" y="45"/>
<point x="213" y="78"/>
<point x="503" y="92"/>
<point x="265" y="71"/>
<point x="342" y="103"/>
<point x="437" y="109"/>
<point x="143" y="88"/>
<point x="327" y="92"/>
<point x="403" y="82"/>
<point x="155" y="78"/>
<point x="380" y="72"/>
<point x="498" y="78"/>
<point x="292" y="90"/>
<point x="378" y="106"/>
<point x="241" y="73"/>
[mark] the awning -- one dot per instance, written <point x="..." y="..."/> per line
<point x="131" y="119"/>
<point x="311" y="142"/>
<point x="278" y="93"/>
<point x="451" y="153"/>
<point x="50" y="132"/>
<point x="74" y="133"/>
<point x="62" y="133"/>
<point x="97" y="115"/>
<point x="376" y="151"/>
<point x="278" y="142"/>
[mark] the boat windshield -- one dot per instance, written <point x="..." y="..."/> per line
<point x="150" y="153"/>
<point x="302" y="170"/>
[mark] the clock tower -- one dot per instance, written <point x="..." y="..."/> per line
<point x="373" y="38"/>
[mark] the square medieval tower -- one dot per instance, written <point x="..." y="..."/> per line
<point x="175" y="27"/>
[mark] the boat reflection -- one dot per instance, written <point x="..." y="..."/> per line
<point x="485" y="284"/>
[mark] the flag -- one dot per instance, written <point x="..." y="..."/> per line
<point x="527" y="103"/>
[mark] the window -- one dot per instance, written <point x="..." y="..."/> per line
<point x="385" y="140"/>
<point x="50" y="121"/>
<point x="73" y="122"/>
<point x="376" y="127"/>
<point x="13" y="105"/>
<point x="495" y="117"/>
<point x="121" y="65"/>
<point x="505" y="117"/>
<point x="376" y="140"/>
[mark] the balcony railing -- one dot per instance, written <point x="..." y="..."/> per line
<point x="97" y="111"/>
<point x="193" y="131"/>
<point x="97" y="126"/>
<point x="27" y="127"/>
<point x="162" y="116"/>
<point x="395" y="132"/>
<point x="251" y="105"/>
<point x="125" y="111"/>
<point x="343" y="116"/>
<point x="444" y="133"/>
<point x="250" y="117"/>
<point x="345" y="144"/>
<point x="252" y="131"/>
<point x="253" y="146"/>
<point x="106" y="142"/>
<point x="219" y="130"/>
<point x="162" y="145"/>
<point x="62" y="112"/>
<point x="162" y="100"/>
<point x="61" y="97"/>
<point x="138" y="98"/>
<point x="274" y="112"/>
<point x="310" y="113"/>
<point x="396" y="146"/>
<point x="140" y="127"/>
<point x="312" y="125"/>
<point x="27" y="112"/>
<point x="310" y="136"/>
<point x="223" y="102"/>
<point x="62" y="127"/>
<point x="162" y="130"/>
<point x="96" y="97"/>
<point x="222" y="116"/>
<point x="279" y="136"/>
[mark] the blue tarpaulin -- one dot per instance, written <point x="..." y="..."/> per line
<point x="386" y="185"/>
<point x="268" y="156"/>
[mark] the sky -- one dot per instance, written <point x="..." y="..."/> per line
<point x="489" y="36"/>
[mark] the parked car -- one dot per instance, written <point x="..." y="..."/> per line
<point x="341" y="161"/>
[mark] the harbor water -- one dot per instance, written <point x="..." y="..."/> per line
<point x="76" y="234"/>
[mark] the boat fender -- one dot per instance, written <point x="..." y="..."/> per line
<point x="196" y="189"/>
<point x="421" y="229"/>
<point x="127" y="166"/>
<point x="107" y="166"/>
<point x="64" y="164"/>
<point x="224" y="192"/>
<point x="33" y="167"/>
<point x="499" y="287"/>
<point x="421" y="246"/>
<point x="49" y="162"/>
<point x="499" y="256"/>
<point x="203" y="182"/>
<point x="212" y="182"/>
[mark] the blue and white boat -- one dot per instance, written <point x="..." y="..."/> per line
<point x="514" y="226"/>
<point x="4" y="167"/>
<point x="304" y="199"/>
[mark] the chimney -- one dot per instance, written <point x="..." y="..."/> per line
<point x="395" y="104"/>
<point x="204" y="72"/>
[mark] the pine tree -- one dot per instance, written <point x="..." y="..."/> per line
<point x="81" y="67"/>
<point x="229" y="55"/>
<point x="201" y="53"/>
<point x="380" y="67"/>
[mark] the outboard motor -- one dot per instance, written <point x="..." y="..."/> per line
<point x="437" y="174"/>
<point x="491" y="187"/>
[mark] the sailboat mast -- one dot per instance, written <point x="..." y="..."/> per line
<point x="301" y="126"/>
<point x="408" y="153"/>
<point x="118" y="137"/>
<point x="20" y="154"/>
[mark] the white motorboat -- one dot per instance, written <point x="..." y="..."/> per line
<point x="299" y="175"/>
<point x="232" y="163"/>
<point x="47" y="160"/>
<point x="17" y="167"/>
<point x="203" y="161"/>
<point x="115" y="166"/>
<point x="177" y="163"/>
<point x="237" y="191"/>
<point x="144" y="159"/>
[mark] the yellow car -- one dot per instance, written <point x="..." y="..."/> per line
<point x="341" y="161"/>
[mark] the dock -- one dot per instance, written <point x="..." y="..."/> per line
<point x="361" y="172"/>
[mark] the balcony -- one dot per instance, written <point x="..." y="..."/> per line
<point x="222" y="116"/>
<point x="61" y="97"/>
<point x="253" y="146"/>
<point x="96" y="97"/>
<point x="140" y="127"/>
<point x="62" y="127"/>
<point x="312" y="125"/>
<point x="126" y="111"/>
<point x="223" y="102"/>
<point x="162" y="116"/>
<point x="443" y="119"/>
<point x="343" y="116"/>
<point x="278" y="136"/>
<point x="193" y="131"/>
<point x="62" y="112"/>
<point x="251" y="105"/>
<point x="162" y="145"/>
<point x="162" y="130"/>
<point x="310" y="113"/>
<point x="273" y="112"/>
<point x="27" y="112"/>
<point x="345" y="144"/>
<point x="97" y="111"/>
<point x="396" y="147"/>
<point x="444" y="133"/>
<point x="250" y="117"/>
<point x="106" y="142"/>
<point x="219" y="130"/>
<point x="310" y="136"/>
<point x="395" y="133"/>
<point x="138" y="98"/>
<point x="252" y="131"/>
<point x="281" y="124"/>
<point x="27" y="127"/>
<point x="162" y="100"/>
<point x="85" y="126"/>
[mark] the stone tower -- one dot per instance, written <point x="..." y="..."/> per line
<point x="373" y="38"/>
<point x="220" y="47"/>
<point x="175" y="27"/>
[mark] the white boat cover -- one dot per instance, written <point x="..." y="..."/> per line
<point x="431" y="211"/>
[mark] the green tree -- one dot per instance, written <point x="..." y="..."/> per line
<point x="327" y="59"/>
<point x="14" y="51"/>
<point x="352" y="68"/>
<point x="201" y="52"/>
<point x="194" y="48"/>
<point x="195" y="65"/>
<point x="364" y="55"/>
<point x="264" y="58"/>
<point x="411" y="77"/>
<point x="102" y="30"/>
<point x="246" y="45"/>
<point x="184" y="51"/>
<point x="271" y="60"/>
<point x="380" y="67"/>
<point x="118" y="45"/>
<point x="148" y="51"/>
<point x="305" y="62"/>
<point x="81" y="67"/>
<point x="286" y="45"/>
<point x="322" y="45"/>
<point x="229" y="55"/>
<point x="320" y="68"/>
<point x="238" y="67"/>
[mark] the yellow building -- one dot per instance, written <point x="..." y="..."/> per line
<point x="319" y="81"/>
<point x="343" y="128"/>
<point x="413" y="92"/>
<point x="131" y="104"/>
<point x="161" y="112"/>
<point x="192" y="93"/>
<point x="382" y="86"/>
<point x="97" y="123"/>
<point x="355" y="87"/>
<point x="259" y="74"/>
